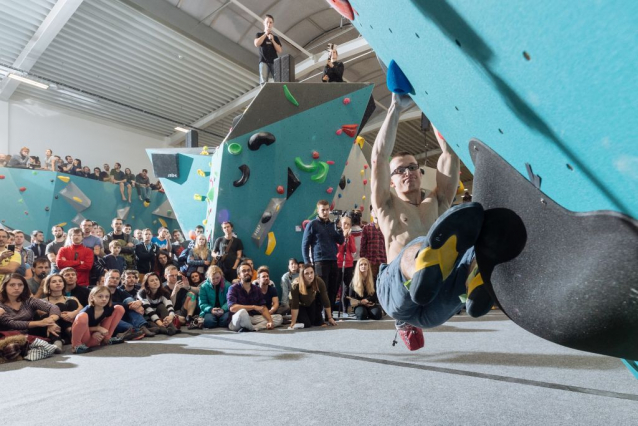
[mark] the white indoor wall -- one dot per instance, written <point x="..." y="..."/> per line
<point x="40" y="126"/>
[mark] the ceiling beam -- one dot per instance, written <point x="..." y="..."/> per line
<point x="179" y="21"/>
<point x="306" y="66"/>
<point x="43" y="36"/>
<point x="375" y="124"/>
<point x="276" y="31"/>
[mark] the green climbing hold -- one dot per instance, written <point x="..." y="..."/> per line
<point x="290" y="97"/>
<point x="211" y="194"/>
<point x="169" y="212"/>
<point x="34" y="172"/>
<point x="234" y="148"/>
<point x="322" y="174"/>
<point x="305" y="167"/>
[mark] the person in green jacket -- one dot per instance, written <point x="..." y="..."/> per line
<point x="213" y="305"/>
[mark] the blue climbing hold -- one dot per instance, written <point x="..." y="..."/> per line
<point x="397" y="82"/>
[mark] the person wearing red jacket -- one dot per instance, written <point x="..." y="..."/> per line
<point x="345" y="253"/>
<point x="76" y="256"/>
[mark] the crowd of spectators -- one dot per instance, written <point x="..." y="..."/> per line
<point x="126" y="179"/>
<point x="87" y="288"/>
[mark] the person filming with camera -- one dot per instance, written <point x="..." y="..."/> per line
<point x="333" y="71"/>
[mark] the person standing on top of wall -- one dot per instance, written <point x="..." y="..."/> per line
<point x="269" y="47"/>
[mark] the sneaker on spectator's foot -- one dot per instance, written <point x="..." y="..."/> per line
<point x="130" y="334"/>
<point x="113" y="341"/>
<point x="140" y="197"/>
<point x="412" y="336"/>
<point x="146" y="331"/>
<point x="58" y="346"/>
<point x="171" y="330"/>
<point x="82" y="349"/>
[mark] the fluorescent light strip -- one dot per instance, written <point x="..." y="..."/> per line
<point x="27" y="81"/>
<point x="181" y="129"/>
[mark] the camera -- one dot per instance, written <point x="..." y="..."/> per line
<point x="11" y="247"/>
<point x="336" y="212"/>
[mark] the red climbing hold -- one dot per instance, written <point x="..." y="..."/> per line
<point x="365" y="166"/>
<point x="330" y="162"/>
<point x="22" y="189"/>
<point x="280" y="189"/>
<point x="343" y="7"/>
<point x="346" y="101"/>
<point x="315" y="155"/>
<point x="329" y="190"/>
<point x="27" y="213"/>
<point x="365" y="181"/>
<point x="304" y="224"/>
<point x="1" y="176"/>
<point x="332" y="206"/>
<point x="350" y="129"/>
<point x="339" y="131"/>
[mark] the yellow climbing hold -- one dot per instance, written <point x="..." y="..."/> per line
<point x="64" y="179"/>
<point x="205" y="222"/>
<point x="363" y="198"/>
<point x="272" y="242"/>
<point x="362" y="172"/>
<point x="77" y="200"/>
<point x="146" y="204"/>
<point x="162" y="222"/>
<point x="204" y="151"/>
<point x="201" y="173"/>
<point x="461" y="189"/>
<point x="359" y="141"/>
<point x="61" y="224"/>
<point x="198" y="197"/>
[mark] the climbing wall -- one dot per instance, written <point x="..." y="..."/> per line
<point x="187" y="192"/>
<point x="548" y="83"/>
<point x="353" y="190"/>
<point x="36" y="199"/>
<point x="287" y="151"/>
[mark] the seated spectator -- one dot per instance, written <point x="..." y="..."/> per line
<point x="37" y="245"/>
<point x="286" y="284"/>
<point x="40" y="269"/>
<point x="163" y="239"/>
<point x="213" y="304"/>
<point x="248" y="305"/>
<point x="157" y="186"/>
<point x="114" y="260"/>
<point x="105" y="176"/>
<point x="146" y="253"/>
<point x="131" y="283"/>
<point x="162" y="262"/>
<point x="200" y="256"/>
<point x="66" y="166"/>
<point x="53" y="290"/>
<point x="158" y="308"/>
<point x="308" y="296"/>
<point x="362" y="293"/>
<point x="143" y="186"/>
<point x="76" y="256"/>
<point x="269" y="290"/>
<point x="22" y="160"/>
<point x="10" y="261"/>
<point x="4" y="160"/>
<point x="21" y="310"/>
<point x="184" y="295"/>
<point x="72" y="289"/>
<point x="96" y="323"/>
<point x="59" y="238"/>
<point x="86" y="172"/>
<point x="76" y="168"/>
<point x="178" y="242"/>
<point x="132" y="326"/>
<point x="129" y="181"/>
<point x="97" y="174"/>
<point x="119" y="178"/>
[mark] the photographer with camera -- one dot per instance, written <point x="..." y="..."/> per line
<point x="333" y="71"/>
<point x="320" y="240"/>
<point x="269" y="47"/>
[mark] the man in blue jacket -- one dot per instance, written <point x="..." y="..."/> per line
<point x="320" y="239"/>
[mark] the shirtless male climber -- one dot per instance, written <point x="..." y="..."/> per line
<point x="431" y="268"/>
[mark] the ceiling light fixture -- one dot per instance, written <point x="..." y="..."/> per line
<point x="28" y="81"/>
<point x="181" y="129"/>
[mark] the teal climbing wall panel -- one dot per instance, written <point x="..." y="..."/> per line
<point x="549" y="83"/>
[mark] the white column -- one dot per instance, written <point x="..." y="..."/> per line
<point x="4" y="127"/>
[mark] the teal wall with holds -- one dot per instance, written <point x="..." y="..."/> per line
<point x="47" y="200"/>
<point x="549" y="83"/>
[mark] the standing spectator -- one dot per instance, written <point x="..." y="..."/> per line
<point x="119" y="178"/>
<point x="37" y="245"/>
<point x="345" y="255"/>
<point x="163" y="261"/>
<point x="200" y="257"/>
<point x="26" y="254"/>
<point x="54" y="246"/>
<point x="163" y="239"/>
<point x="321" y="238"/>
<point x="286" y="284"/>
<point x="373" y="246"/>
<point x="248" y="305"/>
<point x="76" y="256"/>
<point x="146" y="253"/>
<point x="143" y="186"/>
<point x="308" y="297"/>
<point x="269" y="47"/>
<point x="91" y="241"/>
<point x="21" y="160"/>
<point x="114" y="261"/>
<point x="333" y="71"/>
<point x="213" y="302"/>
<point x="228" y="251"/>
<point x="96" y="323"/>
<point x="125" y="240"/>
<point x="362" y="290"/>
<point x="9" y="260"/>
<point x="49" y="161"/>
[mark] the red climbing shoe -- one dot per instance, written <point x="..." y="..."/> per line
<point x="412" y="336"/>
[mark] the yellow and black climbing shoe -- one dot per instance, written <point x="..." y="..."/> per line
<point x="451" y="235"/>
<point x="479" y="301"/>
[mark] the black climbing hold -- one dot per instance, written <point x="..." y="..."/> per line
<point x="56" y="197"/>
<point x="293" y="183"/>
<point x="51" y="180"/>
<point x="342" y="182"/>
<point x="245" y="175"/>
<point x="265" y="218"/>
<point x="46" y="209"/>
<point x="258" y="139"/>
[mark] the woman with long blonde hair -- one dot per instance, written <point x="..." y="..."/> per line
<point x="308" y="296"/>
<point x="362" y="293"/>
<point x="200" y="256"/>
<point x="213" y="304"/>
